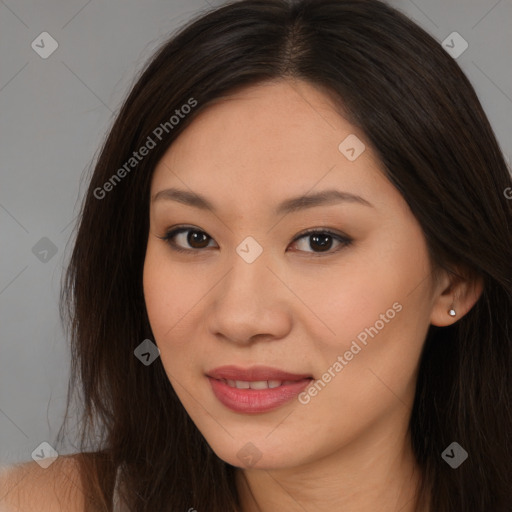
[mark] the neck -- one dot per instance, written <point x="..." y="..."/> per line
<point x="378" y="471"/>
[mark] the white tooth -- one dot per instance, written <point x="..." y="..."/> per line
<point x="259" y="384"/>
<point x="231" y="383"/>
<point x="241" y="384"/>
<point x="274" y="383"/>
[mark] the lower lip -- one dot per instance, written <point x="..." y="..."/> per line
<point x="256" y="400"/>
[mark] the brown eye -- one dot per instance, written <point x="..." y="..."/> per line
<point x="318" y="242"/>
<point x="186" y="239"/>
<point x="197" y="239"/>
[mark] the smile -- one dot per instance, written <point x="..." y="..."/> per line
<point x="258" y="384"/>
<point x="255" y="390"/>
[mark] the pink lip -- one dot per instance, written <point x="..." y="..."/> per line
<point x="255" y="400"/>
<point x="254" y="373"/>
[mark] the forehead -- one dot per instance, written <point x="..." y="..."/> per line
<point x="270" y="141"/>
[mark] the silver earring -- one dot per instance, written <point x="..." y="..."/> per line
<point x="452" y="312"/>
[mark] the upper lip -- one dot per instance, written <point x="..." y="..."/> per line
<point x="255" y="373"/>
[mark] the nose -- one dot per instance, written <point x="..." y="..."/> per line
<point x="250" y="302"/>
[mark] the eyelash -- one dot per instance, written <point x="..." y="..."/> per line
<point x="344" y="240"/>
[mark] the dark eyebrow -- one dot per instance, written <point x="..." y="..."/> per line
<point x="290" y="205"/>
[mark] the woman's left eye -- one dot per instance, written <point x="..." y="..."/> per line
<point x="321" y="241"/>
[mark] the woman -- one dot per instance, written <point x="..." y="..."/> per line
<point x="291" y="284"/>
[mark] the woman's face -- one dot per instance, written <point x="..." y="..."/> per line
<point x="346" y="317"/>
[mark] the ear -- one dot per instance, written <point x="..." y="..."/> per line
<point x="459" y="292"/>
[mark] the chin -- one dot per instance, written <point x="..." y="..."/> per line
<point x="258" y="452"/>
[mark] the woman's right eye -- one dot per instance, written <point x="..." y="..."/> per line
<point x="195" y="238"/>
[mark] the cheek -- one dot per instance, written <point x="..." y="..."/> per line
<point x="168" y="294"/>
<point x="175" y="294"/>
<point x="350" y="297"/>
<point x="166" y="303"/>
<point x="375" y="309"/>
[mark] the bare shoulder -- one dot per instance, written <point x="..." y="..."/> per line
<point x="27" y="487"/>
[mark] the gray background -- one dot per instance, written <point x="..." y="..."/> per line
<point x="54" y="115"/>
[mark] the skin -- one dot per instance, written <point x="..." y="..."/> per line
<point x="294" y="308"/>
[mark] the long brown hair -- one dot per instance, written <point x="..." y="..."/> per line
<point x="426" y="124"/>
